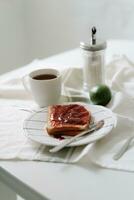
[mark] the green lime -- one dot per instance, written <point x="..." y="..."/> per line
<point x="100" y="95"/>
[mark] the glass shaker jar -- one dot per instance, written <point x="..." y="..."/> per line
<point x="93" y="62"/>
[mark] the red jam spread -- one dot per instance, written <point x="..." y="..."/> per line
<point x="69" y="114"/>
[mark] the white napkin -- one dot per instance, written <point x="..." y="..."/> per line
<point x="14" y="145"/>
<point x="121" y="72"/>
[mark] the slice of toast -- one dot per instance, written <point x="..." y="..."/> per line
<point x="67" y="119"/>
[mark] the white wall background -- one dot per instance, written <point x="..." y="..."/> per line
<point x="12" y="34"/>
<point x="40" y="28"/>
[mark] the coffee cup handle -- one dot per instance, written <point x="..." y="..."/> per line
<point x="25" y="82"/>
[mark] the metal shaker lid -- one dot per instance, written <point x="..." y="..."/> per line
<point x="94" y="44"/>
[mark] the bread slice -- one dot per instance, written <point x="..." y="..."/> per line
<point x="67" y="119"/>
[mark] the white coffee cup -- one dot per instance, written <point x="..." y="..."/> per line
<point x="45" y="91"/>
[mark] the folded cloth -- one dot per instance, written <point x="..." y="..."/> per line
<point x="121" y="72"/>
<point x="13" y="97"/>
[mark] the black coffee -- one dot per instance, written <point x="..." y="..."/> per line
<point x="45" y="77"/>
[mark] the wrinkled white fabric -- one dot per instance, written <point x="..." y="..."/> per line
<point x="14" y="145"/>
<point x="121" y="74"/>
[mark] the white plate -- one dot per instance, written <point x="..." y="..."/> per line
<point x="34" y="126"/>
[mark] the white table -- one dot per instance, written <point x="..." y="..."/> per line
<point x="84" y="180"/>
